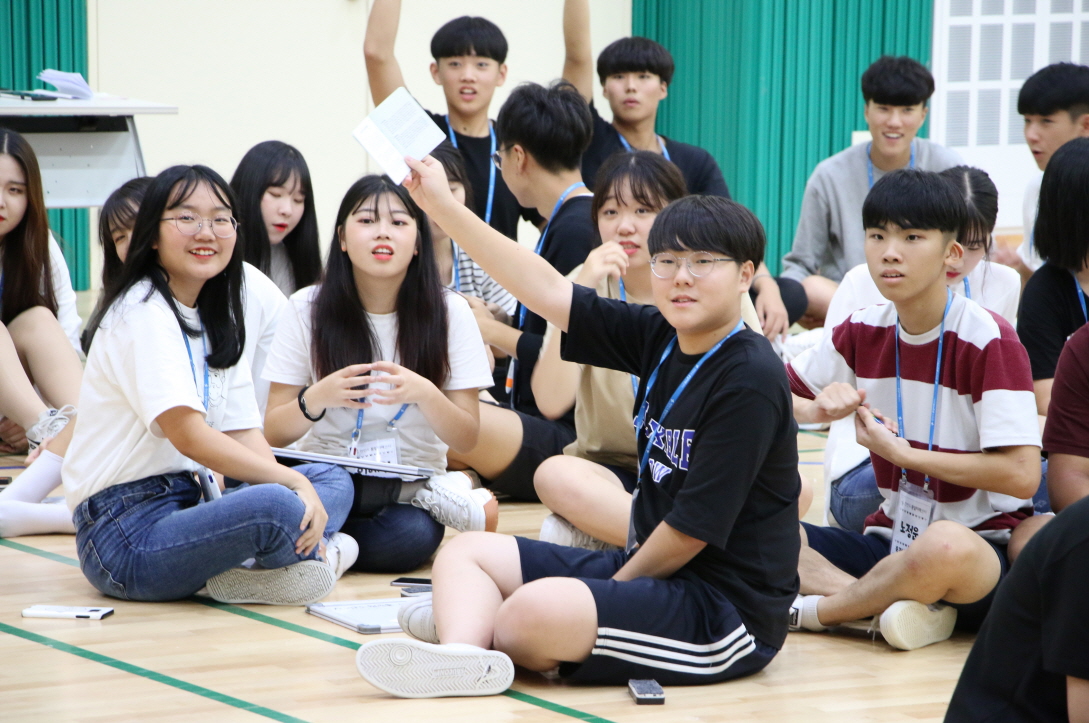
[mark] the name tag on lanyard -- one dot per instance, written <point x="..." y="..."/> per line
<point x="383" y="446"/>
<point x="914" y="511"/>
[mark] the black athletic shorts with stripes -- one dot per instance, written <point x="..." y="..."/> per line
<point x="679" y="631"/>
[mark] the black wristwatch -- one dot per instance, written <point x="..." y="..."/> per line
<point x="303" y="409"/>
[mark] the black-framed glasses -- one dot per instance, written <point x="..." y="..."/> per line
<point x="701" y="263"/>
<point x="497" y="160"/>
<point x="190" y="224"/>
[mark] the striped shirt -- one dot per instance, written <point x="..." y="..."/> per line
<point x="985" y="400"/>
<point x="474" y="281"/>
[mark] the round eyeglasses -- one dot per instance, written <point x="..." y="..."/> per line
<point x="701" y="263"/>
<point x="190" y="224"/>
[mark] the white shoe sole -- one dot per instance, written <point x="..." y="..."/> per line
<point x="304" y="582"/>
<point x="908" y="625"/>
<point x="413" y="669"/>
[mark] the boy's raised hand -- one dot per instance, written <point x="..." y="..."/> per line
<point x="427" y="184"/>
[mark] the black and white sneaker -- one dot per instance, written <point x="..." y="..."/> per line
<point x="50" y="423"/>
<point x="414" y="669"/>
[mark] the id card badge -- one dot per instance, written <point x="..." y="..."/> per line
<point x="383" y="447"/>
<point x="914" y="509"/>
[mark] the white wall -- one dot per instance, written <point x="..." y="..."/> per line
<point x="245" y="71"/>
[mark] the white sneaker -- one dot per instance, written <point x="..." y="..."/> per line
<point x="559" y="531"/>
<point x="908" y="624"/>
<point x="50" y="423"/>
<point x="299" y="584"/>
<point x="451" y="500"/>
<point x="341" y="552"/>
<point x="416" y="618"/>
<point x="413" y="669"/>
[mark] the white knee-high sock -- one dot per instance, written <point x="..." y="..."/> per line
<point x="34" y="518"/>
<point x="38" y="480"/>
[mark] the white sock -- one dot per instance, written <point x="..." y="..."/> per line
<point x="31" y="518"/>
<point x="809" y="619"/>
<point x="38" y="480"/>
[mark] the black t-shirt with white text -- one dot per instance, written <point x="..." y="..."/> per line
<point x="724" y="464"/>
<point x="701" y="173"/>
<point x="1036" y="633"/>
<point x="571" y="237"/>
<point x="477" y="153"/>
<point x="1050" y="312"/>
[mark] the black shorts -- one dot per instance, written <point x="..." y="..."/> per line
<point x="678" y="631"/>
<point x="541" y="439"/>
<point x="856" y="554"/>
<point x="627" y="477"/>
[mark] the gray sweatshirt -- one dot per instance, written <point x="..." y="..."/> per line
<point x="830" y="238"/>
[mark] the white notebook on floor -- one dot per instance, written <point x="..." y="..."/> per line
<point x="369" y="617"/>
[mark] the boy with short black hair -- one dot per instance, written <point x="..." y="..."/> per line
<point x="470" y="63"/>
<point x="1055" y="103"/>
<point x="704" y="596"/>
<point x="635" y="74"/>
<point x="954" y="379"/>
<point x="830" y="240"/>
<point x="542" y="133"/>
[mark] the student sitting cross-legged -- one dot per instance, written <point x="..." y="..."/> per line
<point x="953" y="378"/>
<point x="704" y="597"/>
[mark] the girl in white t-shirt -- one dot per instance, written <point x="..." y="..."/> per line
<point x="852" y="494"/>
<point x="276" y="214"/>
<point x="36" y="353"/>
<point x="381" y="352"/>
<point x="164" y="401"/>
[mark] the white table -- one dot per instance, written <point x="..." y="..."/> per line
<point x="85" y="148"/>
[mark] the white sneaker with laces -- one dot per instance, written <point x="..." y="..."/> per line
<point x="299" y="584"/>
<point x="451" y="500"/>
<point x="907" y="624"/>
<point x="414" y="669"/>
<point x="559" y="531"/>
<point x="341" y="552"/>
<point x="416" y="618"/>
<point x="50" y="423"/>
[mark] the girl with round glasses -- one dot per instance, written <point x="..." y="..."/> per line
<point x="166" y="402"/>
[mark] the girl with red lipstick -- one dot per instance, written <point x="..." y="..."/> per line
<point x="276" y="216"/>
<point x="589" y="486"/>
<point x="381" y="362"/>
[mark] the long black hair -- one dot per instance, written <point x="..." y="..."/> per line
<point x="342" y="334"/>
<point x="117" y="213"/>
<point x="26" y="271"/>
<point x="1062" y="221"/>
<point x="219" y="302"/>
<point x="274" y="163"/>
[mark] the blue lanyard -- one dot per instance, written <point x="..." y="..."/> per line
<point x="634" y="379"/>
<point x="937" y="385"/>
<point x="629" y="149"/>
<point x="541" y="241"/>
<point x="457" y="270"/>
<point x="1081" y="297"/>
<point x="193" y="368"/>
<point x="491" y="173"/>
<point x="967" y="288"/>
<point x="645" y="406"/>
<point x="390" y="426"/>
<point x="869" y="160"/>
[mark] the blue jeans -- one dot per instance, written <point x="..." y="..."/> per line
<point x="855" y="497"/>
<point x="155" y="540"/>
<point x="395" y="538"/>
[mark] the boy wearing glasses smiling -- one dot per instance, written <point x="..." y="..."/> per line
<point x="702" y="591"/>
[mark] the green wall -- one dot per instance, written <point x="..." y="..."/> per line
<point x="771" y="87"/>
<point x="40" y="34"/>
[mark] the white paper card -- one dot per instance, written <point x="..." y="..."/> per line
<point x="914" y="508"/>
<point x="70" y="85"/>
<point x="398" y="127"/>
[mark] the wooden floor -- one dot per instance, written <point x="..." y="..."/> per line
<point x="196" y="660"/>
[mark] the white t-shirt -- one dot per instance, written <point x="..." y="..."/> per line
<point x="263" y="302"/>
<point x="280" y="269"/>
<point x="137" y="369"/>
<point x="62" y="291"/>
<point x="289" y="363"/>
<point x="994" y="287"/>
<point x="1027" y="249"/>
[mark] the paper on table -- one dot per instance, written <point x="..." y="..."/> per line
<point x="67" y="84"/>
<point x="398" y="127"/>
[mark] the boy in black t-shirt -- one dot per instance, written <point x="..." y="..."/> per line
<point x="542" y="134"/>
<point x="470" y="63"/>
<point x="702" y="593"/>
<point x="635" y="74"/>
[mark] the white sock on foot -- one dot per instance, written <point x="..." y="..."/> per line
<point x="34" y="518"/>
<point x="38" y="480"/>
